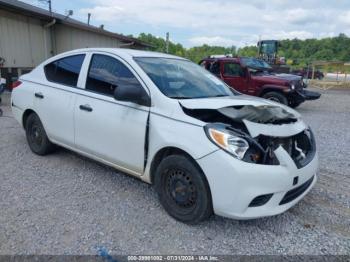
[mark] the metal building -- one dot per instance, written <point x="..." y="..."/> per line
<point x="29" y="35"/>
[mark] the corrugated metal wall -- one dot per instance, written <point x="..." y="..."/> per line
<point x="69" y="38"/>
<point x="23" y="40"/>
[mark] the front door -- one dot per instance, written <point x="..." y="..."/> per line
<point x="111" y="130"/>
<point x="234" y="75"/>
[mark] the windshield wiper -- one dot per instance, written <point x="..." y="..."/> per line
<point x="181" y="97"/>
<point x="196" y="97"/>
<point x="218" y="96"/>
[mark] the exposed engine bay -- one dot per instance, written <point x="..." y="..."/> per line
<point x="265" y="128"/>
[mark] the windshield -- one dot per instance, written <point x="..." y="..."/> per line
<point x="182" y="79"/>
<point x="255" y="63"/>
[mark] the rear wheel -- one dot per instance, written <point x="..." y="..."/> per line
<point x="183" y="190"/>
<point x="37" y="139"/>
<point x="276" y="97"/>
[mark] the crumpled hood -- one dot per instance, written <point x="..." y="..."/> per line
<point x="236" y="101"/>
<point x="260" y="116"/>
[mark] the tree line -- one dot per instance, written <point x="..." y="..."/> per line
<point x="299" y="52"/>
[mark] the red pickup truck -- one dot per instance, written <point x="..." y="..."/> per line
<point x="255" y="77"/>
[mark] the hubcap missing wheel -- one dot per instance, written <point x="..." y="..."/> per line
<point x="181" y="188"/>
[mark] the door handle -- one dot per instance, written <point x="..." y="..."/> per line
<point x="39" y="95"/>
<point x="85" y="108"/>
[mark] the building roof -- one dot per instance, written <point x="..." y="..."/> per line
<point x="40" y="13"/>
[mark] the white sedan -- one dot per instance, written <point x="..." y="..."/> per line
<point x="206" y="148"/>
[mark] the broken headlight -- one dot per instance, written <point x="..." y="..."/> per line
<point x="227" y="140"/>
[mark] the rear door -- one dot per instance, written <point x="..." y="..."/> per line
<point x="234" y="75"/>
<point x="54" y="99"/>
<point x="111" y="130"/>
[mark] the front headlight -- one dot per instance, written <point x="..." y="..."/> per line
<point x="292" y="86"/>
<point x="229" y="141"/>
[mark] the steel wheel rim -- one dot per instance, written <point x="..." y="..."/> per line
<point x="36" y="135"/>
<point x="181" y="189"/>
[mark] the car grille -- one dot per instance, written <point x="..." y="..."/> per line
<point x="296" y="192"/>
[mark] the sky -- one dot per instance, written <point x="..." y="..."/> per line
<point x="215" y="22"/>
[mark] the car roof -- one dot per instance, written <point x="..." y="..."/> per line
<point x="124" y="52"/>
<point x="235" y="59"/>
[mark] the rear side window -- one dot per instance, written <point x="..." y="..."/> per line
<point x="106" y="73"/>
<point x="65" y="71"/>
<point x="215" y="68"/>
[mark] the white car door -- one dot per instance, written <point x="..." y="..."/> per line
<point x="54" y="99"/>
<point x="111" y="130"/>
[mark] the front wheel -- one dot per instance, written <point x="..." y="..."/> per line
<point x="276" y="97"/>
<point x="183" y="190"/>
<point x="294" y="104"/>
<point x="37" y="139"/>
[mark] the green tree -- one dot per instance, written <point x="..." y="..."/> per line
<point x="301" y="52"/>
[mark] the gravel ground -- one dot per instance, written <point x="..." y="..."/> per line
<point x="67" y="204"/>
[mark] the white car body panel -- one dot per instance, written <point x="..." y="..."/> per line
<point x="115" y="133"/>
<point x="112" y="131"/>
<point x="56" y="112"/>
<point x="240" y="183"/>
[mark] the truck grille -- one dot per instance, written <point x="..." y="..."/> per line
<point x="298" y="84"/>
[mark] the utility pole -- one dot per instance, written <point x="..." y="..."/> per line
<point x="89" y="16"/>
<point x="50" y="7"/>
<point x="49" y="3"/>
<point x="167" y="43"/>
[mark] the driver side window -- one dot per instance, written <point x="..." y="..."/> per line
<point x="107" y="73"/>
<point x="233" y="69"/>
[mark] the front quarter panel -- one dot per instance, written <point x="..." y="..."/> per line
<point x="168" y="132"/>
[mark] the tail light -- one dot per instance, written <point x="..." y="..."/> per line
<point x="16" y="84"/>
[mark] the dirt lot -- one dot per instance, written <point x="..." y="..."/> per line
<point x="67" y="204"/>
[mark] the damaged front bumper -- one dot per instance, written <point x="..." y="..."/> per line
<point x="300" y="96"/>
<point x="244" y="190"/>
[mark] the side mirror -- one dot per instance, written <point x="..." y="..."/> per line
<point x="132" y="93"/>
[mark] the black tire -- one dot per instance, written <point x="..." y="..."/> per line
<point x="294" y="105"/>
<point x="37" y="139"/>
<point x="183" y="190"/>
<point x="277" y="97"/>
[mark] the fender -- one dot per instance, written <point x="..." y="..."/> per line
<point x="269" y="88"/>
